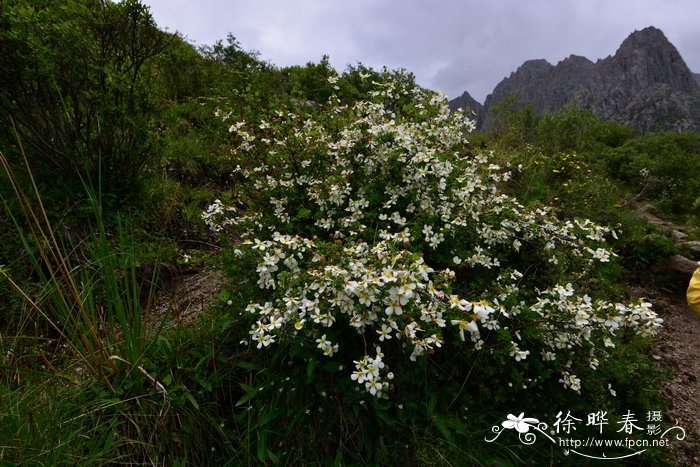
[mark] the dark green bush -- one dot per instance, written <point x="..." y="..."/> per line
<point x="659" y="168"/>
<point x="73" y="81"/>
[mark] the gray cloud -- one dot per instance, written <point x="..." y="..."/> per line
<point x="450" y="45"/>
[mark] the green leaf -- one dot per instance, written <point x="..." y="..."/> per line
<point x="441" y="425"/>
<point x="310" y="369"/>
<point x="248" y="366"/>
<point x="192" y="400"/>
<point x="273" y="457"/>
<point x="331" y="367"/>
<point x="250" y="393"/>
<point x="268" y="417"/>
<point x="262" y="446"/>
<point x="385" y="418"/>
<point x="167" y="379"/>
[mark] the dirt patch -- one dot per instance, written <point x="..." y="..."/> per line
<point x="184" y="299"/>
<point x="678" y="349"/>
<point x="645" y="213"/>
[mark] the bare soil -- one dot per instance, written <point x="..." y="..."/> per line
<point x="184" y="298"/>
<point x="678" y="349"/>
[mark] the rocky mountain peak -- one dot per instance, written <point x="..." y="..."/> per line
<point x="466" y="102"/>
<point x="650" y="57"/>
<point x="533" y="68"/>
<point x="648" y="36"/>
<point x="522" y="82"/>
<point x="575" y="61"/>
<point x="646" y="84"/>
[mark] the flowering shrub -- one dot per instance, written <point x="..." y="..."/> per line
<point x="370" y="219"/>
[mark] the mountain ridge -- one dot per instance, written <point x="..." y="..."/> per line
<point x="645" y="84"/>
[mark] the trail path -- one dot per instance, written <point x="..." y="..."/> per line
<point x="678" y="349"/>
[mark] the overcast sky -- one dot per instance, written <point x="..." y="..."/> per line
<point x="449" y="45"/>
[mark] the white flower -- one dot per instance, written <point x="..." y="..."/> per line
<point x="394" y="307"/>
<point x="373" y="386"/>
<point x="464" y="325"/>
<point x="326" y="346"/>
<point x="601" y="255"/>
<point x="384" y="332"/>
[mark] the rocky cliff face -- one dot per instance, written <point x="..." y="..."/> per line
<point x="646" y="84"/>
<point x="466" y="101"/>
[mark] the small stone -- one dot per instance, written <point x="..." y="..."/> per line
<point x="693" y="246"/>
<point x="679" y="265"/>
<point x="678" y="235"/>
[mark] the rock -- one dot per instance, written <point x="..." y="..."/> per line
<point x="680" y="266"/>
<point x="678" y="235"/>
<point x="693" y="246"/>
<point x="645" y="213"/>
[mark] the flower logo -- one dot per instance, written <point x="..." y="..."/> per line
<point x="520" y="423"/>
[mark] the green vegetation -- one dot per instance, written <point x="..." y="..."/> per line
<point x="395" y="286"/>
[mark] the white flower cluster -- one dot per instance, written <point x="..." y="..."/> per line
<point x="380" y="188"/>
<point x="377" y="286"/>
<point x="572" y="324"/>
<point x="370" y="371"/>
<point x="570" y="381"/>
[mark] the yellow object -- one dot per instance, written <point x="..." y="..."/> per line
<point x="694" y="291"/>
